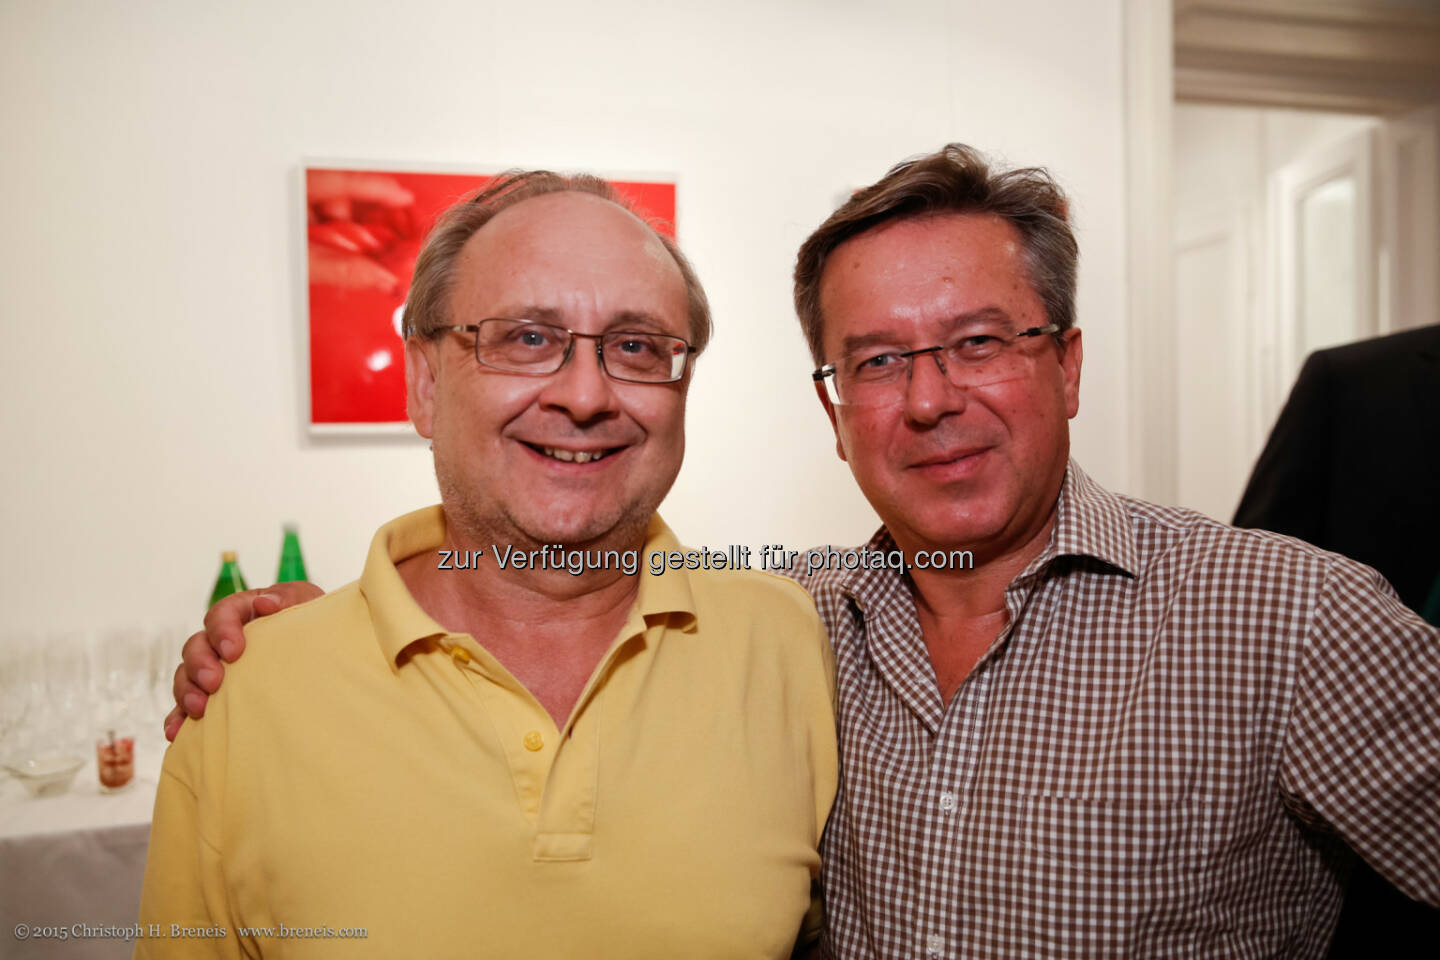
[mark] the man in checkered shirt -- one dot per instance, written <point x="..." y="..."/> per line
<point x="1110" y="729"/>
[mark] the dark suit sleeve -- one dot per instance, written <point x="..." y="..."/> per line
<point x="1287" y="492"/>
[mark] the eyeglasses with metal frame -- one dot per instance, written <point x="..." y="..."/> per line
<point x="878" y="377"/>
<point x="531" y="348"/>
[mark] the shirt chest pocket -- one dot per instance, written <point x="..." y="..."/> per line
<point x="1103" y="838"/>
<point x="1105" y="875"/>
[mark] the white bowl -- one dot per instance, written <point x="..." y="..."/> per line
<point x="48" y="775"/>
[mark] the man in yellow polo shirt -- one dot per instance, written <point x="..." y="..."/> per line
<point x="570" y="756"/>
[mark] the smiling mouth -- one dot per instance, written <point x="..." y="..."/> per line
<point x="571" y="456"/>
<point x="949" y="458"/>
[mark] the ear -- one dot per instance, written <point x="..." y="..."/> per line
<point x="830" y="412"/>
<point x="422" y="369"/>
<point x="1070" y="358"/>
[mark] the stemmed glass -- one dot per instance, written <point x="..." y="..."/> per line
<point x="165" y="644"/>
<point x="20" y="669"/>
<point x="61" y="702"/>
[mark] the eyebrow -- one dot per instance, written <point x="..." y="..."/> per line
<point x="621" y="320"/>
<point x="988" y="314"/>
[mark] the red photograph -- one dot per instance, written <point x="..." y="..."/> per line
<point x="364" y="230"/>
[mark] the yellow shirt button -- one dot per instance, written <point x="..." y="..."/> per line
<point x="533" y="741"/>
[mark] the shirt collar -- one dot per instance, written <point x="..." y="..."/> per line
<point x="1090" y="521"/>
<point x="871" y="589"/>
<point x="400" y="621"/>
<point x="668" y="593"/>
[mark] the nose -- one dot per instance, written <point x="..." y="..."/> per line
<point x="929" y="394"/>
<point x="580" y="388"/>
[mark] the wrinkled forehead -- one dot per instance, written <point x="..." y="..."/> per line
<point x="570" y="254"/>
<point x="925" y="274"/>
<point x="945" y="246"/>
<point x="570" y="218"/>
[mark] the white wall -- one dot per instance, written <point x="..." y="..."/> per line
<point x="153" y="308"/>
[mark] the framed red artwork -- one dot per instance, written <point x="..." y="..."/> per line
<point x="364" y="228"/>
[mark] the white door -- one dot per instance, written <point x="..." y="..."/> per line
<point x="1327" y="242"/>
<point x="1214" y="317"/>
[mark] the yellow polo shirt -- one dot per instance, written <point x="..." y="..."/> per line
<point x="364" y="769"/>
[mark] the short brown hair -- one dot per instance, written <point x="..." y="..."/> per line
<point x="954" y="179"/>
<point x="428" y="304"/>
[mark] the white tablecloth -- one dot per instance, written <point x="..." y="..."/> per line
<point x="75" y="860"/>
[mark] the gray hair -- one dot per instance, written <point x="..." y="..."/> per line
<point x="954" y="179"/>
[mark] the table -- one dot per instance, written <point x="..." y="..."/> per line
<point x="76" y="860"/>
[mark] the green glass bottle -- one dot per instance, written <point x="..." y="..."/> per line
<point x="292" y="565"/>
<point x="230" y="580"/>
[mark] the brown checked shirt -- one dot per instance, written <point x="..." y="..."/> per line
<point x="1163" y="755"/>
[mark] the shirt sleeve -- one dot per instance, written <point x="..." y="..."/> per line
<point x="1362" y="749"/>
<point x="184" y="908"/>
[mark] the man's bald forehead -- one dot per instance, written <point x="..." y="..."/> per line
<point x="525" y="220"/>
